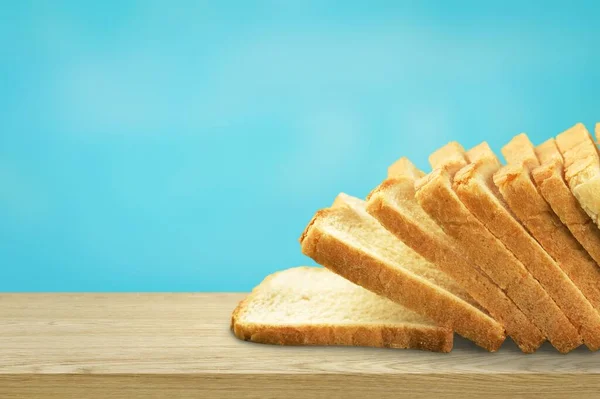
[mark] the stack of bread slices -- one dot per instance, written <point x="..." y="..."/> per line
<point x="475" y="247"/>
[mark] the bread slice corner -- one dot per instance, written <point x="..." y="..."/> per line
<point x="548" y="152"/>
<point x="450" y="157"/>
<point x="482" y="151"/>
<point x="404" y="167"/>
<point x="572" y="138"/>
<point x="520" y="150"/>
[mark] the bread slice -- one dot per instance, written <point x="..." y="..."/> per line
<point x="475" y="187"/>
<point x="393" y="203"/>
<point x="547" y="152"/>
<point x="404" y="168"/>
<point x="520" y="151"/>
<point x="435" y="194"/>
<point x="428" y="270"/>
<point x="313" y="306"/>
<point x="353" y="244"/>
<point x="575" y="143"/>
<point x="582" y="167"/>
<point x="450" y="157"/>
<point x="549" y="179"/>
<point x="518" y="190"/>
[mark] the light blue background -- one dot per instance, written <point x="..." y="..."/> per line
<point x="183" y="146"/>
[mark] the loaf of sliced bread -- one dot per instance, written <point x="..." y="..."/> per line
<point x="435" y="194"/>
<point x="533" y="211"/>
<point x="475" y="187"/>
<point x="582" y="168"/>
<point x="353" y="244"/>
<point x="550" y="181"/>
<point x="393" y="203"/>
<point x="313" y="306"/>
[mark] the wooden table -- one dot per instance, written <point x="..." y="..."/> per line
<point x="179" y="346"/>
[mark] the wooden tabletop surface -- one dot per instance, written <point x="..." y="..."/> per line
<point x="180" y="346"/>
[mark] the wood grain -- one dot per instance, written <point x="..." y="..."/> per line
<point x="179" y="346"/>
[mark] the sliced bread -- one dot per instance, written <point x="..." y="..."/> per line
<point x="582" y="168"/>
<point x="520" y="151"/>
<point x="353" y="244"/>
<point x="393" y="203"/>
<point x="450" y="157"/>
<point x="313" y="306"/>
<point x="550" y="181"/>
<point x="548" y="152"/>
<point x="521" y="194"/>
<point x="475" y="187"/>
<point x="437" y="197"/>
<point x="404" y="168"/>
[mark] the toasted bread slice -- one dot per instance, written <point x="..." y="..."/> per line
<point x="521" y="194"/>
<point x="393" y="203"/>
<point x="475" y="187"/>
<point x="435" y="194"/>
<point x="313" y="306"/>
<point x="582" y="167"/>
<point x="549" y="179"/>
<point x="353" y="244"/>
